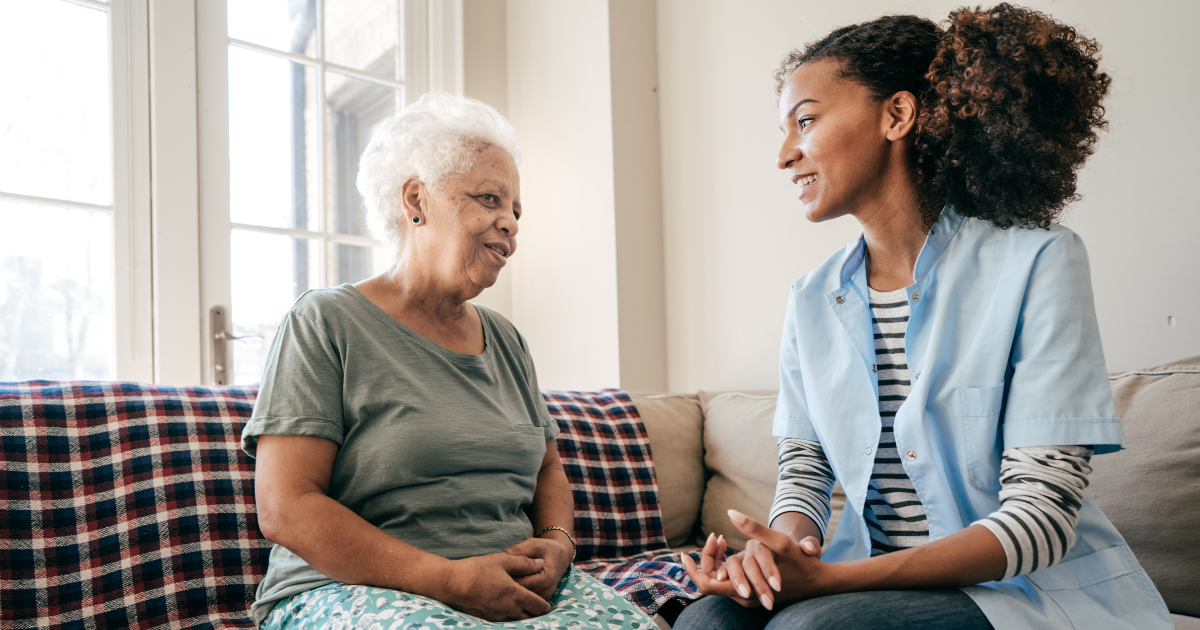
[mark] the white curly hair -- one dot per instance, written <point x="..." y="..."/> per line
<point x="432" y="140"/>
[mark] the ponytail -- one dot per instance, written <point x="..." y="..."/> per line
<point x="1012" y="112"/>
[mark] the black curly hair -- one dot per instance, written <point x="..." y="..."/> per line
<point x="1009" y="105"/>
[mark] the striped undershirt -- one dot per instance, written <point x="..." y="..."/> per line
<point x="893" y="512"/>
<point x="1041" y="486"/>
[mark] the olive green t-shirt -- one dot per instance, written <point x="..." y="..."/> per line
<point x="438" y="449"/>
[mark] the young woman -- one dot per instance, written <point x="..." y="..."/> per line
<point x="946" y="368"/>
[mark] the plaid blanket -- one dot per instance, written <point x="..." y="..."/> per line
<point x="126" y="505"/>
<point x="606" y="453"/>
<point x="650" y="581"/>
<point x="130" y="505"/>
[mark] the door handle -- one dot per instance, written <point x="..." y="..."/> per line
<point x="219" y="347"/>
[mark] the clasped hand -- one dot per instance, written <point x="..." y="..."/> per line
<point x="514" y="584"/>
<point x="556" y="560"/>
<point x="773" y="567"/>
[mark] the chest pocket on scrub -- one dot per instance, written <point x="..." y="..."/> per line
<point x="980" y="408"/>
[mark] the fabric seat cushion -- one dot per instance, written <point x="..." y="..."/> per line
<point x="742" y="456"/>
<point x="1151" y="489"/>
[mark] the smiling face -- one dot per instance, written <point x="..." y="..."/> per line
<point x="470" y="227"/>
<point x="837" y="143"/>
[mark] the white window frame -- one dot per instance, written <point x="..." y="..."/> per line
<point x="133" y="265"/>
<point x="186" y="168"/>
<point x="170" y="203"/>
<point x="133" y="339"/>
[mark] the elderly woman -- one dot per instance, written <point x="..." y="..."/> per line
<point x="406" y="468"/>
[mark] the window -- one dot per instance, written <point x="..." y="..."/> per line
<point x="308" y="83"/>
<point x="102" y="264"/>
<point x="73" y="286"/>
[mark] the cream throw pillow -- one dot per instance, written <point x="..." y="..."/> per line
<point x="743" y="458"/>
<point x="741" y="455"/>
<point x="673" y="422"/>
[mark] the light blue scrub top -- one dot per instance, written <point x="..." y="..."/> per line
<point x="1004" y="350"/>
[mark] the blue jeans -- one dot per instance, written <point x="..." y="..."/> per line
<point x="948" y="609"/>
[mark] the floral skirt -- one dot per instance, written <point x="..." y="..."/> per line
<point x="581" y="602"/>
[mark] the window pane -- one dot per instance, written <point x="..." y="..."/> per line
<point x="355" y="109"/>
<point x="272" y="140"/>
<point x="268" y="273"/>
<point x="56" y="294"/>
<point x="364" y="35"/>
<point x="352" y="263"/>
<point x="280" y="24"/>
<point x="55" y="116"/>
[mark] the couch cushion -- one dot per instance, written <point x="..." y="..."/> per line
<point x="1151" y="490"/>
<point x="673" y="422"/>
<point x="606" y="453"/>
<point x="126" y="505"/>
<point x="743" y="458"/>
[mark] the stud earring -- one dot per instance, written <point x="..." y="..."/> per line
<point x="416" y="220"/>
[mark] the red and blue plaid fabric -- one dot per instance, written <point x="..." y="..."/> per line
<point x="606" y="453"/>
<point x="648" y="581"/>
<point x="126" y="505"/>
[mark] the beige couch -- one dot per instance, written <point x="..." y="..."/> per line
<point x="714" y="451"/>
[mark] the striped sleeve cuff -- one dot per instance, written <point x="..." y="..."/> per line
<point x="805" y="482"/>
<point x="1040" y="496"/>
<point x="1008" y="539"/>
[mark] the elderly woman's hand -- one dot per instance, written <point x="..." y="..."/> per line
<point x="556" y="558"/>
<point x="710" y="577"/>
<point x="487" y="587"/>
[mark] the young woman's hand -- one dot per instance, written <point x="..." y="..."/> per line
<point x="556" y="558"/>
<point x="774" y="567"/>
<point x="486" y="587"/>
<point x="753" y="577"/>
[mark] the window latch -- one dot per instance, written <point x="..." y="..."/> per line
<point x="219" y="346"/>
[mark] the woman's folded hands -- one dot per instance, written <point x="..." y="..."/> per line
<point x="555" y="558"/>
<point x="487" y="587"/>
<point x="511" y="585"/>
<point x="773" y="567"/>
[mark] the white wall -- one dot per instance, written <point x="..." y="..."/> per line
<point x="735" y="236"/>
<point x="637" y="182"/>
<point x="582" y="94"/>
<point x="564" y="282"/>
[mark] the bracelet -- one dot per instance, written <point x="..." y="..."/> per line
<point x="571" y="538"/>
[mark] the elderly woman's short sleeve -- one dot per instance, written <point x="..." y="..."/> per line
<point x="301" y="391"/>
